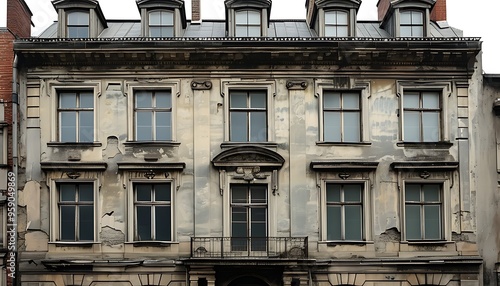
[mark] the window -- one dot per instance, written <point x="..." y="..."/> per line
<point x="342" y="116"/>
<point x="423" y="211"/>
<point x="76" y="116"/>
<point x="153" y="212"/>
<point x="412" y="24"/>
<point x="248" y="217"/>
<point x="336" y="24"/>
<point x="421" y="116"/>
<point x="76" y="211"/>
<point x="248" y="23"/>
<point x="344" y="211"/>
<point x="78" y="24"/>
<point x="161" y="23"/>
<point x="153" y="115"/>
<point x="248" y="116"/>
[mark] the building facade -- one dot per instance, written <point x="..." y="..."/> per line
<point x="249" y="151"/>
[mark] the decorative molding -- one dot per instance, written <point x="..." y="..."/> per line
<point x="425" y="175"/>
<point x="149" y="174"/>
<point x="249" y="174"/>
<point x="201" y="85"/>
<point x="296" y="84"/>
<point x="344" y="175"/>
<point x="73" y="175"/>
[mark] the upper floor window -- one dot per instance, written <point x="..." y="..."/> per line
<point x="248" y="116"/>
<point x="153" y="212"/>
<point x="76" y="211"/>
<point x="153" y="115"/>
<point x="342" y="116"/>
<point x="78" y="24"/>
<point x="161" y="23"/>
<point x="76" y="116"/>
<point x="248" y="23"/>
<point x="344" y="211"/>
<point x="336" y="23"/>
<point x="423" y="211"/>
<point x="422" y="116"/>
<point x="411" y="24"/>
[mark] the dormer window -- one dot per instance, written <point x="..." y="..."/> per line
<point x="161" y="23"/>
<point x="78" y="24"/>
<point x="248" y="23"/>
<point x="411" y="23"/>
<point x="336" y="23"/>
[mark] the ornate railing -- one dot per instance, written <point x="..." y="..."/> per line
<point x="238" y="247"/>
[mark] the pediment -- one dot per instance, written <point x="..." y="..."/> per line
<point x="235" y="4"/>
<point x="160" y="4"/>
<point x="325" y="4"/>
<point x="248" y="156"/>
<point x="64" y="4"/>
<point x="424" y="4"/>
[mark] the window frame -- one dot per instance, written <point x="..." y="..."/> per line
<point x="77" y="110"/>
<point x="422" y="111"/>
<point x="342" y="111"/>
<point x="55" y="217"/>
<point x="249" y="111"/>
<point x="269" y="87"/>
<point x="131" y="88"/>
<point x="69" y="26"/>
<point x="444" y="88"/>
<point x="172" y="25"/>
<point x="53" y="93"/>
<point x="361" y="87"/>
<point x="336" y="25"/>
<point x="247" y="25"/>
<point x="153" y="110"/>
<point x="411" y="25"/>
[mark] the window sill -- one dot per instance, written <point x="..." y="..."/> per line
<point x="153" y="143"/>
<point x="427" y="242"/>
<point x="151" y="243"/>
<point x="324" y="143"/>
<point x="85" y="244"/>
<point x="74" y="144"/>
<point x="426" y="145"/>
<point x="226" y="145"/>
<point x="345" y="242"/>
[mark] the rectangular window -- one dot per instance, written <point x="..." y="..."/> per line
<point x="153" y="115"/>
<point x="342" y="116"/>
<point x="161" y="23"/>
<point x="78" y="24"/>
<point x="76" y="116"/>
<point x="248" y="116"/>
<point x="336" y="24"/>
<point x="248" y="24"/>
<point x="422" y="116"/>
<point x="423" y="212"/>
<point x="153" y="212"/>
<point x="412" y="24"/>
<point x="344" y="211"/>
<point x="76" y="211"/>
<point x="248" y="217"/>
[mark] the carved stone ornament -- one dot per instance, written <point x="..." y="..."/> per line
<point x="201" y="85"/>
<point x="344" y="176"/>
<point x="149" y="174"/>
<point x="73" y="175"/>
<point x="249" y="174"/>
<point x="425" y="175"/>
<point x="296" y="84"/>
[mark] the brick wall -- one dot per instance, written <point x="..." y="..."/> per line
<point x="19" y="18"/>
<point x="195" y="10"/>
<point x="6" y="59"/>
<point x="438" y="13"/>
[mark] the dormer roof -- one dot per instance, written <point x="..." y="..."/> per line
<point x="82" y="4"/>
<point x="167" y="4"/>
<point x="255" y="4"/>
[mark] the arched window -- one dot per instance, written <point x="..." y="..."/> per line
<point x="248" y="23"/>
<point x="78" y="24"/>
<point x="336" y="23"/>
<point x="411" y="23"/>
<point x="161" y="23"/>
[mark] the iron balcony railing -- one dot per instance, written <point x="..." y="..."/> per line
<point x="255" y="247"/>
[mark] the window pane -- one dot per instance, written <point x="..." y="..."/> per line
<point x="331" y="31"/>
<point x="86" y="192"/>
<point x="353" y="223"/>
<point x="238" y="99"/>
<point x="432" y="216"/>
<point x="241" y="31"/>
<point x="413" y="222"/>
<point x="331" y="18"/>
<point x="162" y="192"/>
<point x="258" y="194"/>
<point x="412" y="126"/>
<point x="67" y="100"/>
<point x="334" y="227"/>
<point x="86" y="223"/>
<point x="143" y="192"/>
<point x="411" y="100"/>
<point x="352" y="125"/>
<point x="166" y="32"/>
<point x="86" y="100"/>
<point x="342" y="31"/>
<point x="78" y="18"/>
<point x="417" y="31"/>
<point x="86" y="132"/>
<point x="405" y="31"/>
<point x="430" y="121"/>
<point x="350" y="101"/>
<point x="68" y="126"/>
<point x="431" y="192"/>
<point x="163" y="99"/>
<point x="154" y="18"/>
<point x="167" y="18"/>
<point x="253" y="31"/>
<point x="333" y="193"/>
<point x="405" y="18"/>
<point x="239" y="215"/>
<point x="155" y="31"/>
<point x="163" y="223"/>
<point x="342" y="18"/>
<point x="241" y="18"/>
<point x="258" y="127"/>
<point x="430" y="100"/>
<point x="144" y="125"/>
<point x="143" y="99"/>
<point x="332" y="126"/>
<point x="144" y="223"/>
<point x="258" y="100"/>
<point x="417" y="17"/>
<point x="238" y="124"/>
<point x="412" y="193"/>
<point x="258" y="216"/>
<point x="331" y="100"/>
<point x="239" y="194"/>
<point x="67" y="192"/>
<point x="352" y="193"/>
<point x="163" y="126"/>
<point x="253" y="18"/>
<point x="68" y="223"/>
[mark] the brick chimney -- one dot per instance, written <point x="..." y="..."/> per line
<point x="19" y="18"/>
<point x="195" y="11"/>
<point x="383" y="7"/>
<point x="438" y="12"/>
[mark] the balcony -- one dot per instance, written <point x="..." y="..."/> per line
<point x="251" y="247"/>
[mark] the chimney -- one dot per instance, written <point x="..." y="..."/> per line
<point x="438" y="13"/>
<point x="19" y="18"/>
<point x="383" y="7"/>
<point x="195" y="11"/>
